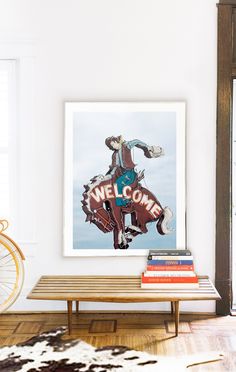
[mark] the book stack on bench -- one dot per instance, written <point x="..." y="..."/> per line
<point x="170" y="269"/>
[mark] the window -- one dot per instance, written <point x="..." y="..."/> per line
<point x="7" y="126"/>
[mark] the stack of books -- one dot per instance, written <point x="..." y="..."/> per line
<point x="170" y="269"/>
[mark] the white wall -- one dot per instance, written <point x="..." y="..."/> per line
<point x="112" y="50"/>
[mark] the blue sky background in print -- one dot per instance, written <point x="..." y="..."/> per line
<point x="93" y="157"/>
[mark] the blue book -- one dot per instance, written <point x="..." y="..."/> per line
<point x="170" y="262"/>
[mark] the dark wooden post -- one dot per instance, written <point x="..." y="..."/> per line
<point x="225" y="74"/>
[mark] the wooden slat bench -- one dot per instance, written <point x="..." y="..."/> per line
<point x="116" y="289"/>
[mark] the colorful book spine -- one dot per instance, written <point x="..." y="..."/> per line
<point x="187" y="258"/>
<point x="170" y="267"/>
<point x="170" y="273"/>
<point x="169" y="262"/>
<point x="169" y="252"/>
<point x="146" y="279"/>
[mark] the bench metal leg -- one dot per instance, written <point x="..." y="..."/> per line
<point x="77" y="307"/>
<point x="69" y="314"/>
<point x="176" y="318"/>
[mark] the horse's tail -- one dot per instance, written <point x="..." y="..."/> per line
<point x="163" y="222"/>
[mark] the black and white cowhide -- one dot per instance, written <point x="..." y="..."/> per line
<point x="48" y="352"/>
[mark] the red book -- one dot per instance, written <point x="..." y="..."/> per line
<point x="163" y="279"/>
<point x="170" y="268"/>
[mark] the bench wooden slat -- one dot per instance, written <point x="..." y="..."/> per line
<point x="89" y="277"/>
<point x="103" y="287"/>
<point x="119" y="291"/>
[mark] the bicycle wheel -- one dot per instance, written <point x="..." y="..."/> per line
<point x="11" y="272"/>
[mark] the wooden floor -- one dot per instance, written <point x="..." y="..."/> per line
<point x="151" y="332"/>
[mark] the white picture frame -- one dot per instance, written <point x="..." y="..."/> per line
<point x="87" y="124"/>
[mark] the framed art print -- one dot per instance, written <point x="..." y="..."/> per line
<point x="124" y="178"/>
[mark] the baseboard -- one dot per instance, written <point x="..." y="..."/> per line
<point x="109" y="312"/>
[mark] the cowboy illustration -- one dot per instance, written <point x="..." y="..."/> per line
<point x="122" y="167"/>
<point x="107" y="200"/>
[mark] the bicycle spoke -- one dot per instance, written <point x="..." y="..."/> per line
<point x="4" y="290"/>
<point x="8" y="265"/>
<point x="5" y="269"/>
<point x="9" y="277"/>
<point x="1" y="258"/>
<point x="11" y="260"/>
<point x="7" y="286"/>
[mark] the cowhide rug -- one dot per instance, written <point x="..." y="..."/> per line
<point x="47" y="352"/>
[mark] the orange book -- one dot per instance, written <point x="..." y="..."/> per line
<point x="163" y="279"/>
